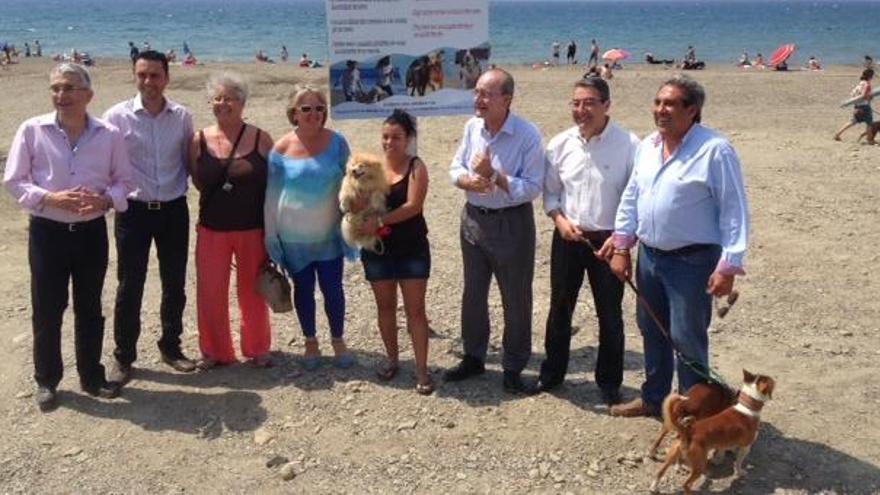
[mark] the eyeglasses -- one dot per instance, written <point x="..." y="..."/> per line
<point x="479" y="93"/>
<point x="65" y="88"/>
<point x="224" y="99"/>
<point x="586" y="102"/>
<point x="309" y="108"/>
<point x="722" y="309"/>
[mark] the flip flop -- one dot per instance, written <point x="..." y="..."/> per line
<point x="387" y="371"/>
<point x="426" y="388"/>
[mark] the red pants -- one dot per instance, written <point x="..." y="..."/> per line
<point x="214" y="250"/>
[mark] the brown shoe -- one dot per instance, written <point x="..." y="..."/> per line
<point x="179" y="362"/>
<point x="632" y="409"/>
<point x="119" y="373"/>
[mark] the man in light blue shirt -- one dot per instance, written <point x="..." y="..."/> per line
<point x="500" y="166"/>
<point x="685" y="203"/>
<point x="157" y="132"/>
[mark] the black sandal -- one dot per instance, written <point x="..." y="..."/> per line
<point x="387" y="371"/>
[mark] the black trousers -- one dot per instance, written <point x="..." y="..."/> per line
<point x="59" y="253"/>
<point x="167" y="224"/>
<point x="568" y="262"/>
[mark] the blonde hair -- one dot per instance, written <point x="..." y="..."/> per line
<point x="300" y="92"/>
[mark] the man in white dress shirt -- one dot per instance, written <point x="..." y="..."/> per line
<point x="588" y="167"/>
<point x="158" y="132"/>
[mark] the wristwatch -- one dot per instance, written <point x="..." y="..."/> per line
<point x="622" y="252"/>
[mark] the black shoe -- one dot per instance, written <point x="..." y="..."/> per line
<point x="546" y="385"/>
<point x="514" y="384"/>
<point x="106" y="390"/>
<point x="47" y="399"/>
<point x="611" y="397"/>
<point x="179" y="362"/>
<point x="119" y="373"/>
<point x="468" y="367"/>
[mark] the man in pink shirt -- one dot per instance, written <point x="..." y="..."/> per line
<point x="67" y="169"/>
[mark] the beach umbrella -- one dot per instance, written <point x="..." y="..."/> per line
<point x="781" y="54"/>
<point x="615" y="55"/>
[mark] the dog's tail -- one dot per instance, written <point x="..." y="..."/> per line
<point x="673" y="419"/>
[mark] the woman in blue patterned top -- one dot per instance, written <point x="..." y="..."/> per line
<point x="302" y="218"/>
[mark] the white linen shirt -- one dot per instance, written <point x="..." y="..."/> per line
<point x="585" y="178"/>
<point x="158" y="147"/>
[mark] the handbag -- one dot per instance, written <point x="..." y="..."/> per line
<point x="274" y="287"/>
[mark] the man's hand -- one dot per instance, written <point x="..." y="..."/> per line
<point x="719" y="285"/>
<point x="567" y="230"/>
<point x="621" y="266"/>
<point x="93" y="203"/>
<point x="481" y="163"/>
<point x="474" y="183"/>
<point x="72" y="200"/>
<point x="607" y="250"/>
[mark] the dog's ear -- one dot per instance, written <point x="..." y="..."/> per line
<point x="748" y="377"/>
<point x="765" y="386"/>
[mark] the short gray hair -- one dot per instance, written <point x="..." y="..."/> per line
<point x="694" y="94"/>
<point x="232" y="81"/>
<point x="69" y="68"/>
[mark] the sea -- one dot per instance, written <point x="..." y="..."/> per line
<point x="839" y="32"/>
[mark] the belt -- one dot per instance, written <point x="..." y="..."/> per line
<point x="684" y="250"/>
<point x="596" y="235"/>
<point x="69" y="227"/>
<point x="155" y="205"/>
<point x="494" y="211"/>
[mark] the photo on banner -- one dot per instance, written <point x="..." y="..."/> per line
<point x="422" y="56"/>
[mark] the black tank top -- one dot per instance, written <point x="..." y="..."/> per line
<point x="411" y="235"/>
<point x="240" y="208"/>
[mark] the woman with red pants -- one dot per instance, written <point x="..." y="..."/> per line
<point x="228" y="167"/>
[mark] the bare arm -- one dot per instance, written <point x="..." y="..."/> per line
<point x="193" y="162"/>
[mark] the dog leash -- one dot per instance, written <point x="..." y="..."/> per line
<point x="707" y="373"/>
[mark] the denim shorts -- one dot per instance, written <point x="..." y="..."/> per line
<point x="415" y="265"/>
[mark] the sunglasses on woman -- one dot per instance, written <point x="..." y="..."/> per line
<point x="309" y="108"/>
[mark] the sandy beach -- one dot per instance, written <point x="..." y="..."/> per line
<point x="808" y="315"/>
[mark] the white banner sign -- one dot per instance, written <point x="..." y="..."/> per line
<point x="422" y="56"/>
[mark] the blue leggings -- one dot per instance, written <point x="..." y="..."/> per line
<point x="330" y="280"/>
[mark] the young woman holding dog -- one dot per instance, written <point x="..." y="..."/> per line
<point x="406" y="259"/>
<point x="303" y="220"/>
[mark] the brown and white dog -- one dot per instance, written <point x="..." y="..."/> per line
<point x="735" y="428"/>
<point x="364" y="178"/>
<point x="702" y="400"/>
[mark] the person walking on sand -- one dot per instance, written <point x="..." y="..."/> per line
<point x="588" y="167"/>
<point x="594" y="53"/>
<point x="284" y="54"/>
<point x="571" y="50"/>
<point x="554" y="48"/>
<point x="68" y="169"/>
<point x="500" y="166"/>
<point x="862" y="112"/>
<point x="685" y="204"/>
<point x="158" y="132"/>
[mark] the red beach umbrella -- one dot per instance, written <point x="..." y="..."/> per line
<point x="781" y="54"/>
<point x="615" y="55"/>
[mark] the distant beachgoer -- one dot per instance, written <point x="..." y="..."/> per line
<point x="744" y="60"/>
<point x="869" y="62"/>
<point x="759" y="61"/>
<point x="284" y="54"/>
<point x="813" y="64"/>
<point x="146" y="46"/>
<point x="862" y="112"/>
<point x="261" y="56"/>
<point x="649" y="58"/>
<point x="38" y="49"/>
<point x="782" y="66"/>
<point x="690" y="55"/>
<point x="27" y="49"/>
<point x="594" y="53"/>
<point x="304" y="60"/>
<point x="171" y="55"/>
<point x="570" y="52"/>
<point x="555" y="49"/>
<point x="186" y="50"/>
<point x="189" y="60"/>
<point x="132" y="52"/>
<point x="606" y="73"/>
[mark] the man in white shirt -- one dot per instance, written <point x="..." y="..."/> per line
<point x="588" y="167"/>
<point x="158" y="132"/>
